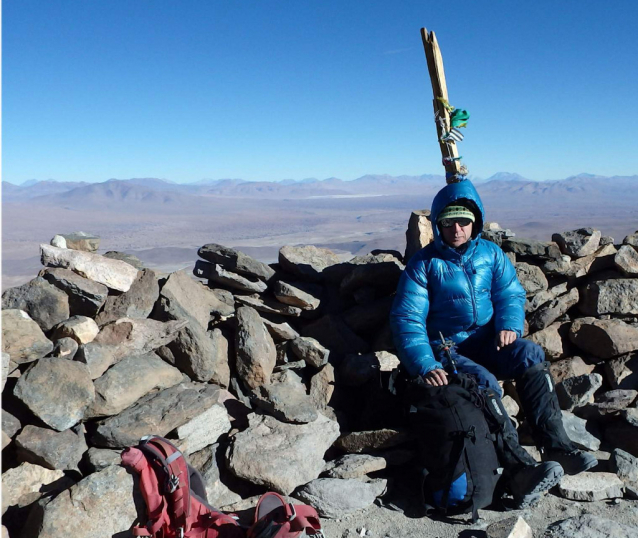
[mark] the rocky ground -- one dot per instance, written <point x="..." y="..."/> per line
<point x="275" y="377"/>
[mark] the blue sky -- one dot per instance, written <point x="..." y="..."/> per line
<point x="269" y="90"/>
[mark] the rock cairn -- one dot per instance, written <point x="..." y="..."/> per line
<point x="275" y="377"/>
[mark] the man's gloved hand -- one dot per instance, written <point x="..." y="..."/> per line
<point x="504" y="338"/>
<point x="436" y="378"/>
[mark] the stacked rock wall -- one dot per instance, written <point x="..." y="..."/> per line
<point x="260" y="373"/>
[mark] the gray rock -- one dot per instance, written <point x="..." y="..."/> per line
<point x="285" y="399"/>
<point x="555" y="267"/>
<point x="578" y="391"/>
<point x="101" y="458"/>
<point x="310" y="351"/>
<point x="81" y="241"/>
<point x="608" y="403"/>
<point x="512" y="527"/>
<point x="82" y="329"/>
<point x="622" y="372"/>
<point x="6" y="360"/>
<point x="23" y="485"/>
<point x="510" y="406"/>
<point x="236" y="261"/>
<point x="578" y="243"/>
<point x="102" y="505"/>
<point x="58" y="241"/>
<point x="65" y="348"/>
<point x="570" y="367"/>
<point x="322" y="387"/>
<point x="289" y="454"/>
<point x="367" y="318"/>
<point x="543" y="297"/>
<point x="625" y="466"/>
<point x="98" y="357"/>
<point x="137" y="302"/>
<point x="591" y="487"/>
<point x="138" y="336"/>
<point x="589" y="526"/>
<point x="354" y="466"/>
<point x="532" y="248"/>
<point x="550" y="340"/>
<point x="217" y="492"/>
<point x="331" y="332"/>
<point x="22" y="337"/>
<point x="531" y="278"/>
<point x="204" y="429"/>
<point x="51" y="449"/>
<point x="577" y="432"/>
<point x="128" y="258"/>
<point x="612" y="296"/>
<point x="601" y="259"/>
<point x="626" y="260"/>
<point x="219" y="275"/>
<point x="10" y="424"/>
<point x="85" y="296"/>
<point x="631" y="239"/>
<point x="280" y="331"/>
<point x="550" y="312"/>
<point x="369" y="441"/>
<point x="307" y="262"/>
<point x="380" y="271"/>
<point x="623" y="433"/>
<point x="115" y="274"/>
<point x="268" y="306"/>
<point x="157" y="413"/>
<point x="256" y="354"/>
<point x="44" y="303"/>
<point x="295" y="295"/>
<point x="127" y="381"/>
<point x="604" y="338"/>
<point x="336" y="498"/>
<point x="419" y="233"/>
<point x="57" y="391"/>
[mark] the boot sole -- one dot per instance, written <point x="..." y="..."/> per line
<point x="547" y="483"/>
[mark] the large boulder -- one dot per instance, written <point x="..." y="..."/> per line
<point x="22" y="337"/>
<point x="339" y="497"/>
<point x="86" y="296"/>
<point x="127" y="381"/>
<point x="622" y="372"/>
<point x="115" y="274"/>
<point x="57" y="391"/>
<point x="333" y="333"/>
<point x="604" y="338"/>
<point x="531" y="278"/>
<point x="627" y="260"/>
<point x="307" y="262"/>
<point x="550" y="312"/>
<point x="97" y="357"/>
<point x="256" y="353"/>
<point x="611" y="296"/>
<point x="578" y="391"/>
<point x="310" y="351"/>
<point x="44" y="303"/>
<point x="578" y="243"/>
<point x="289" y="454"/>
<point x="590" y="526"/>
<point x="236" y="261"/>
<point x="419" y="233"/>
<point x="550" y="340"/>
<point x="156" y="413"/>
<point x="285" y="399"/>
<point x="51" y="449"/>
<point x="576" y="429"/>
<point x="379" y="271"/>
<point x="103" y="505"/>
<point x="137" y="302"/>
<point x="23" y="485"/>
<point x="80" y="241"/>
<point x="204" y="429"/>
<point x="531" y="248"/>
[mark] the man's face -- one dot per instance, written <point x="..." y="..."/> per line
<point x="456" y="235"/>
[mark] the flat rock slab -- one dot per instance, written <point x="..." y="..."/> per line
<point x="204" y="429"/>
<point x="310" y="350"/>
<point x="336" y="498"/>
<point x="576" y="431"/>
<point x="256" y="353"/>
<point x="578" y="243"/>
<point x="307" y="262"/>
<point x="289" y="454"/>
<point x="550" y="312"/>
<point x="626" y="260"/>
<point x="532" y="248"/>
<point x="127" y="381"/>
<point x="22" y="338"/>
<point x="236" y="261"/>
<point x="81" y="241"/>
<point x="295" y="295"/>
<point x="22" y="485"/>
<point x="45" y="304"/>
<point x="570" y="367"/>
<point x="269" y="306"/>
<point x="115" y="274"/>
<point x="51" y="449"/>
<point x="97" y="357"/>
<point x="101" y="458"/>
<point x="57" y="391"/>
<point x="550" y="340"/>
<point x="591" y="487"/>
<point x="156" y="413"/>
<point x="219" y="275"/>
<point x="611" y="296"/>
<point x="137" y="302"/>
<point x="285" y="399"/>
<point x="604" y="338"/>
<point x="102" y="505"/>
<point x="512" y="527"/>
<point x="81" y="328"/>
<point x="381" y="271"/>
<point x="354" y="466"/>
<point x="369" y="441"/>
<point x="280" y="332"/>
<point x="85" y="296"/>
<point x="588" y="526"/>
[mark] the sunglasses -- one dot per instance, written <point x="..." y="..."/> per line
<point x="462" y="222"/>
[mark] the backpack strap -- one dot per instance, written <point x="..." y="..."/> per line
<point x="291" y="519"/>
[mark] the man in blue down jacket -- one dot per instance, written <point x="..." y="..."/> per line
<point x="465" y="288"/>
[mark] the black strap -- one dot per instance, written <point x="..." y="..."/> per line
<point x="462" y="438"/>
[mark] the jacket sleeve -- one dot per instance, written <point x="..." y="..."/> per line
<point x="407" y="321"/>
<point x="508" y="296"/>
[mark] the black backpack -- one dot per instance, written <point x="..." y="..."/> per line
<point x="459" y="457"/>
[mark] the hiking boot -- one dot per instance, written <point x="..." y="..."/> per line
<point x="527" y="484"/>
<point x="573" y="462"/>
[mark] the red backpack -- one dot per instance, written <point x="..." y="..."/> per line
<point x="176" y="502"/>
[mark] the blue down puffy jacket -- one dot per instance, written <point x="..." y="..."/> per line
<point x="453" y="291"/>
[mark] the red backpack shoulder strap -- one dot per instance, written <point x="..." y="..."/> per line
<point x="273" y="511"/>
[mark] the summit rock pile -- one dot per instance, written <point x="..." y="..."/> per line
<point x="275" y="377"/>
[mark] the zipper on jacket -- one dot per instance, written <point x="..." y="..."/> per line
<point x="469" y="281"/>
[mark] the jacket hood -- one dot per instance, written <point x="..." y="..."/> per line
<point x="465" y="193"/>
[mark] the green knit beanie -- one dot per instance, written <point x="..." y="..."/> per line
<point x="456" y="212"/>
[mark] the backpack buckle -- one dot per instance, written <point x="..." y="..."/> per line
<point x="173" y="484"/>
<point x="294" y="512"/>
